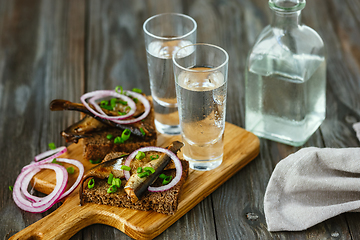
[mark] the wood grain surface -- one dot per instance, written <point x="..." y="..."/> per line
<point x="240" y="148"/>
<point x="63" y="48"/>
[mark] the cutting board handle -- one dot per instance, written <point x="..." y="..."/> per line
<point x="63" y="223"/>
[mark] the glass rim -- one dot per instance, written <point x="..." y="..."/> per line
<point x="169" y="38"/>
<point x="207" y="70"/>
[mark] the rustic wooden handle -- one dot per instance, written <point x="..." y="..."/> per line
<point x="63" y="223"/>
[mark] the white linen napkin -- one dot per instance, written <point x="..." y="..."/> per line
<point x="356" y="127"/>
<point x="312" y="185"/>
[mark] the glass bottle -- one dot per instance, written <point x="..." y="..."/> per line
<point x="285" y="78"/>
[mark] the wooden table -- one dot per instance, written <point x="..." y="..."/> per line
<point x="61" y="49"/>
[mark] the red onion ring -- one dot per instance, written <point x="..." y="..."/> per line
<point x="58" y="151"/>
<point x="27" y="179"/>
<point x="117" y="119"/>
<point x="130" y="102"/>
<point x="25" y="182"/>
<point x="52" y="153"/>
<point x="172" y="155"/>
<point x="104" y="93"/>
<point x="77" y="164"/>
<point x="47" y="202"/>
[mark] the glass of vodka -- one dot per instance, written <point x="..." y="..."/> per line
<point x="285" y="78"/>
<point x="164" y="34"/>
<point x="201" y="89"/>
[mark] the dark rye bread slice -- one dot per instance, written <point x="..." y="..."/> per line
<point x="163" y="202"/>
<point x="97" y="146"/>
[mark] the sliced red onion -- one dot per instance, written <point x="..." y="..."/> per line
<point x="27" y="179"/>
<point x="52" y="153"/>
<point x="46" y="202"/>
<point x="172" y="155"/>
<point x="104" y="93"/>
<point x="80" y="166"/>
<point x="25" y="182"/>
<point x="117" y="119"/>
<point x="130" y="102"/>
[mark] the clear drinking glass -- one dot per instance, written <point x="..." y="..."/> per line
<point x="164" y="34"/>
<point x="201" y="89"/>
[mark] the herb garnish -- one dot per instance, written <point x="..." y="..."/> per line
<point x="91" y="183"/>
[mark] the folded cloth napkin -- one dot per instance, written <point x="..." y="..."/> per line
<point x="312" y="185"/>
<point x="356" y="127"/>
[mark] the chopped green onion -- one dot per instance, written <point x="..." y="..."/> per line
<point x="126" y="168"/>
<point x="143" y="174"/>
<point x="52" y="146"/>
<point x="125" y="135"/>
<point x="54" y="161"/>
<point x="70" y="170"/>
<point x="95" y="161"/>
<point x="121" y="113"/>
<point x="142" y="131"/>
<point x="140" y="155"/>
<point x="112" y="189"/>
<point x="113" y="103"/>
<point x="111" y="176"/>
<point x="118" y="140"/>
<point x="167" y="180"/>
<point x="162" y="176"/>
<point x="91" y="183"/>
<point x="135" y="100"/>
<point x="139" y="170"/>
<point x="137" y="90"/>
<point x="11" y="188"/>
<point x="116" y="182"/>
<point x="153" y="157"/>
<point x="109" y="136"/>
<point x="122" y="102"/>
<point x="106" y="107"/>
<point x="117" y="88"/>
<point x="149" y="169"/>
<point x="104" y="102"/>
<point x="127" y="108"/>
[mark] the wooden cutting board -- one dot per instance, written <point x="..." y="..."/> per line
<point x="240" y="148"/>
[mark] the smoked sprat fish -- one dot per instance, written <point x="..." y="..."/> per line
<point x="60" y="105"/>
<point x="136" y="186"/>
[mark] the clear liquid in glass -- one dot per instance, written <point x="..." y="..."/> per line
<point x="162" y="84"/>
<point x="202" y="107"/>
<point x="285" y="106"/>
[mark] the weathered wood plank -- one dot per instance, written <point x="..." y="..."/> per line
<point x="345" y="84"/>
<point x="48" y="48"/>
<point x="41" y="49"/>
<point x="115" y="46"/>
